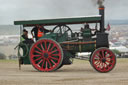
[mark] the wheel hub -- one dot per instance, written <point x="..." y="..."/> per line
<point x="104" y="60"/>
<point x="46" y="55"/>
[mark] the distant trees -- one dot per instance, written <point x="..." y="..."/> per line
<point x="2" y="56"/>
<point x="12" y="57"/>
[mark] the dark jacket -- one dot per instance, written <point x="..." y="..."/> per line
<point x="35" y="30"/>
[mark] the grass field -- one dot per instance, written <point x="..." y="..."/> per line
<point x="79" y="73"/>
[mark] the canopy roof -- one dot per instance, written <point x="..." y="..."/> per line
<point x="57" y="21"/>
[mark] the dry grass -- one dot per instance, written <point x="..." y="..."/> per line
<point x="79" y="73"/>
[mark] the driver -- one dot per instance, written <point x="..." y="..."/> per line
<point x="87" y="27"/>
<point x="39" y="31"/>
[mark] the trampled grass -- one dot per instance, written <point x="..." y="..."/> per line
<point x="9" y="61"/>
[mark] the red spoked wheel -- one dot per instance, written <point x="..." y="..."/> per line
<point x="46" y="55"/>
<point x="103" y="60"/>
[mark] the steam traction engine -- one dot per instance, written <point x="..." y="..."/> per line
<point x="57" y="48"/>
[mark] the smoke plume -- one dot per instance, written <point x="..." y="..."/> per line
<point x="100" y="2"/>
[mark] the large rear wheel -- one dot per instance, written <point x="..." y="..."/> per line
<point x="46" y="55"/>
<point x="103" y="60"/>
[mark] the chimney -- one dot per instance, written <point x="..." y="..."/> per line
<point x="101" y="12"/>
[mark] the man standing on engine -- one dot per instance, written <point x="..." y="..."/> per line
<point x="39" y="31"/>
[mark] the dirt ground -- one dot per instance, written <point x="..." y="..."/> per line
<point x="79" y="73"/>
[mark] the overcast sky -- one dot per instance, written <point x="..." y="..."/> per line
<point x="11" y="10"/>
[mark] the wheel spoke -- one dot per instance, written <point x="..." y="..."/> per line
<point x="108" y="59"/>
<point x="49" y="46"/>
<point x="102" y="53"/>
<point x="40" y="62"/>
<point x="104" y="66"/>
<point x="38" y="48"/>
<point x="42" y="47"/>
<point x="109" y="62"/>
<point x="99" y="55"/>
<point x="53" y="51"/>
<point x="97" y="62"/>
<point x="111" y="59"/>
<point x="53" y="62"/>
<point x="49" y="63"/>
<point x="46" y="66"/>
<point x="43" y="63"/>
<point x="54" y="58"/>
<point x="100" y="65"/>
<point x="107" y="66"/>
<point x="52" y="47"/>
<point x="45" y="43"/>
<point x="55" y="55"/>
<point x="105" y="63"/>
<point x="106" y="53"/>
<point x="109" y="56"/>
<point x="38" y="52"/>
<point x="36" y="56"/>
<point x="38" y="59"/>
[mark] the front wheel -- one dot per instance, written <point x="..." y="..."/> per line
<point x="103" y="60"/>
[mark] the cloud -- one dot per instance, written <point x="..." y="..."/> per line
<point x="11" y="10"/>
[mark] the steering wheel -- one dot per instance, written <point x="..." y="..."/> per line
<point x="62" y="29"/>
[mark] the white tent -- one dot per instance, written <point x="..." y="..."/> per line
<point x="121" y="49"/>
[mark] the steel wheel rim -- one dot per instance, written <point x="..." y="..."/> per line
<point x="46" y="55"/>
<point x="103" y="60"/>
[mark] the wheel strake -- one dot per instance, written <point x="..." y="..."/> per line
<point x="46" y="55"/>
